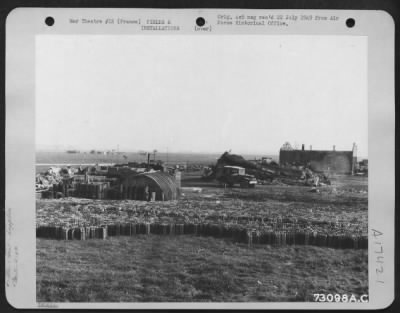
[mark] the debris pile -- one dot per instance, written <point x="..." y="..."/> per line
<point x="46" y="180"/>
<point x="275" y="174"/>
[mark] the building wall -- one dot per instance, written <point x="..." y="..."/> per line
<point x="340" y="162"/>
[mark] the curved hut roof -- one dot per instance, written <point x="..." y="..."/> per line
<point x="164" y="181"/>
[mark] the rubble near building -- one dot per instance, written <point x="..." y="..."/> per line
<point x="272" y="172"/>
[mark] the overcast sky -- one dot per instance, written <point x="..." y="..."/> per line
<point x="249" y="94"/>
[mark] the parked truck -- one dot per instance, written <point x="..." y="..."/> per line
<point x="235" y="175"/>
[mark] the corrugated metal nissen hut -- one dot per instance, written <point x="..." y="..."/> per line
<point x="150" y="186"/>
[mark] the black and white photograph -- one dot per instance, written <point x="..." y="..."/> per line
<point x="199" y="167"/>
<point x="185" y="169"/>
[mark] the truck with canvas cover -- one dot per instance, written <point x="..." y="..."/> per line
<point x="235" y="175"/>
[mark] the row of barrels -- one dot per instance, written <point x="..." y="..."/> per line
<point x="330" y="228"/>
<point x="275" y="220"/>
<point x="96" y="190"/>
<point x="247" y="219"/>
<point x="309" y="238"/>
<point x="60" y="190"/>
<point x="77" y="233"/>
<point x="237" y="234"/>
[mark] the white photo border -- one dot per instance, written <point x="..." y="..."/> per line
<point x="24" y="24"/>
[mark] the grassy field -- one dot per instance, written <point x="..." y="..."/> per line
<point x="187" y="268"/>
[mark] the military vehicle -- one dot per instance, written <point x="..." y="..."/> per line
<point x="234" y="175"/>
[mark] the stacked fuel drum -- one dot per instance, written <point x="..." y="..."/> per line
<point x="237" y="233"/>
